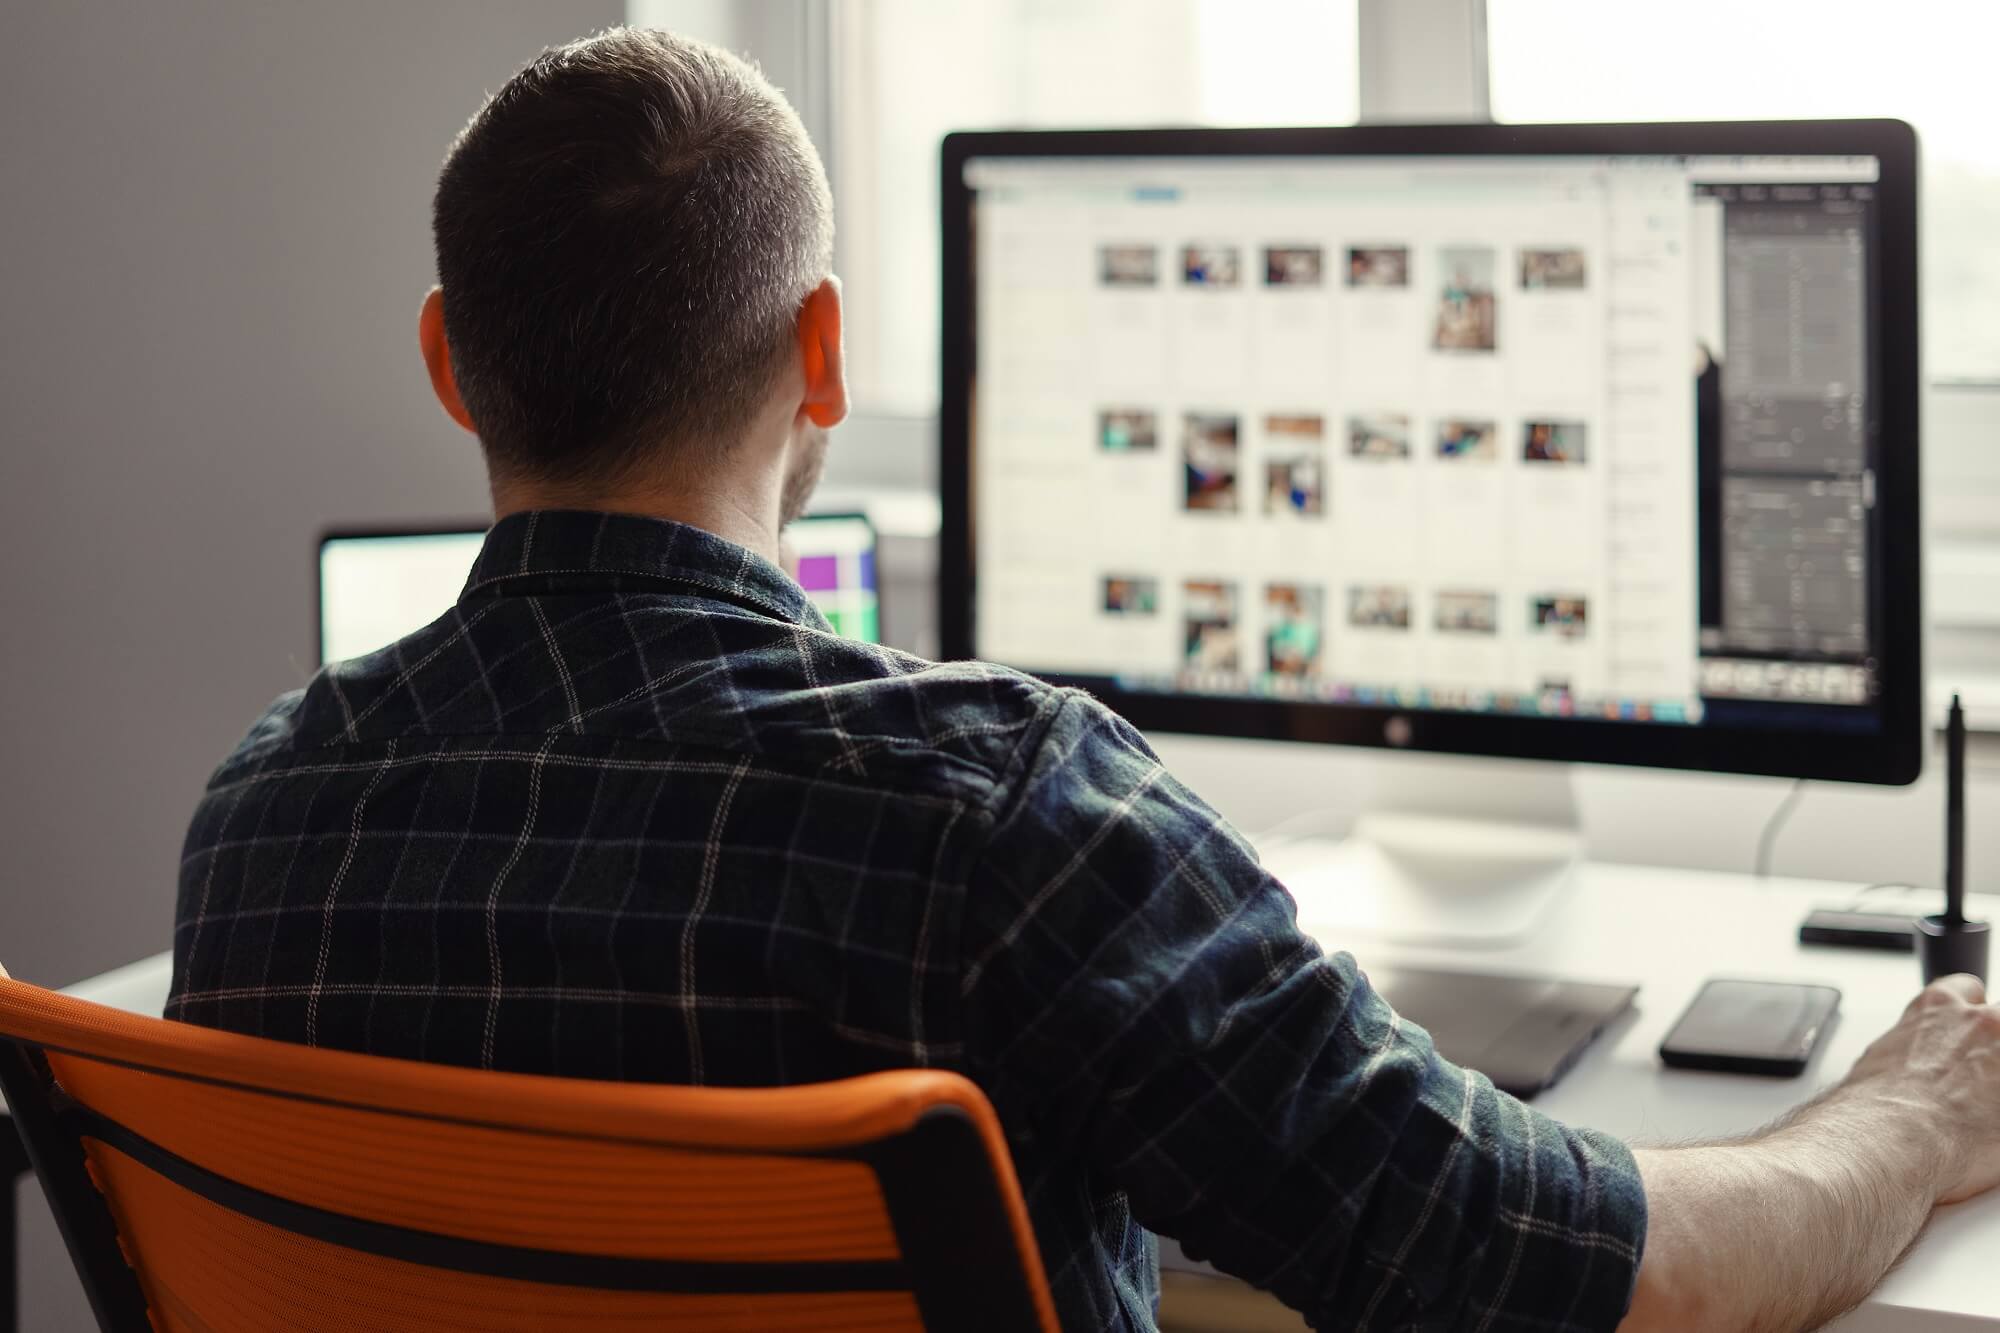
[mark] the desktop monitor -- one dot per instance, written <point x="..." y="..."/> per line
<point x="1567" y="442"/>
<point x="377" y="585"/>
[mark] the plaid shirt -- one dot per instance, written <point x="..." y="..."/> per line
<point x="630" y="811"/>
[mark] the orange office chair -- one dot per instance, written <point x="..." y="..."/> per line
<point x="209" y="1181"/>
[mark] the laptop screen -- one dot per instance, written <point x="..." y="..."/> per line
<point x="837" y="570"/>
<point x="377" y="587"/>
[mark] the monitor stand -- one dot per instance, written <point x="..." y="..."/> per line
<point x="1452" y="853"/>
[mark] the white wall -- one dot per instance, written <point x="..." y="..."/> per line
<point x="214" y="235"/>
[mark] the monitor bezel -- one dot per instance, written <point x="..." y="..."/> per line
<point x="1892" y="754"/>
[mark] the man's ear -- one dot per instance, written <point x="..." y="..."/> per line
<point x="825" y="401"/>
<point x="437" y="357"/>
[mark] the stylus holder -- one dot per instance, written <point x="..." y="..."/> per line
<point x="1946" y="949"/>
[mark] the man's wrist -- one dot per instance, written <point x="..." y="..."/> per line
<point x="1851" y="1176"/>
<point x="1876" y="1124"/>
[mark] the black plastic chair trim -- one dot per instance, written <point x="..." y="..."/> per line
<point x="82" y="1215"/>
<point x="952" y="1226"/>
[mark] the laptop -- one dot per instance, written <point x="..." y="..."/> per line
<point x="1524" y="1033"/>
<point x="376" y="585"/>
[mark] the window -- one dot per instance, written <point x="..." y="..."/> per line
<point x="904" y="72"/>
<point x="1725" y="60"/>
<point x="906" y="76"/>
<point x="1927" y="63"/>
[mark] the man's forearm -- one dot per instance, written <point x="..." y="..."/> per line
<point x="1786" y="1230"/>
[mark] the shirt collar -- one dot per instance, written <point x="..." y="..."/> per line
<point x="579" y="549"/>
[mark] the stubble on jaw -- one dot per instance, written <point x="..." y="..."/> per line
<point x="802" y="478"/>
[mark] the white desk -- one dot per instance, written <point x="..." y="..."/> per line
<point x="137" y="988"/>
<point x="1666" y="930"/>
<point x="1669" y="930"/>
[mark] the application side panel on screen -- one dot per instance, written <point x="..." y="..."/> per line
<point x="836" y="567"/>
<point x="1300" y="428"/>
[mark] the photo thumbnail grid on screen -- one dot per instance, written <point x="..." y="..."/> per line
<point x="1354" y="430"/>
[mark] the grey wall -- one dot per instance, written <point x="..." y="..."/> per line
<point x="215" y="234"/>
<point x="213" y="242"/>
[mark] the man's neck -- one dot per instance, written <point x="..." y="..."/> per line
<point x="748" y="517"/>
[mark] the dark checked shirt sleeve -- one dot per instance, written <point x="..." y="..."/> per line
<point x="1140" y="1002"/>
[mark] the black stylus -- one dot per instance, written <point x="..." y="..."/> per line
<point x="1954" y="815"/>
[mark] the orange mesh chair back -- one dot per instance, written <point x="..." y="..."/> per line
<point x="209" y="1181"/>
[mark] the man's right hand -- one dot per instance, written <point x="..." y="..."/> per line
<point x="1797" y="1225"/>
<point x="1942" y="1061"/>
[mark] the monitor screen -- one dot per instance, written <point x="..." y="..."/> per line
<point x="1552" y="436"/>
<point x="376" y="587"/>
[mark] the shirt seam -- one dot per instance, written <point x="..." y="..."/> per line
<point x="1014" y="771"/>
<point x="273" y="762"/>
<point x="742" y="597"/>
<point x="990" y="818"/>
<point x="987" y="820"/>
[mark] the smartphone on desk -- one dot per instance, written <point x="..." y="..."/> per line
<point x="1751" y="1027"/>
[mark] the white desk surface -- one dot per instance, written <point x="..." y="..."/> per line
<point x="1667" y="931"/>
<point x="137" y="988"/>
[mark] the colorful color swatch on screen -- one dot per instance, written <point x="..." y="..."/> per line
<point x="837" y="570"/>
